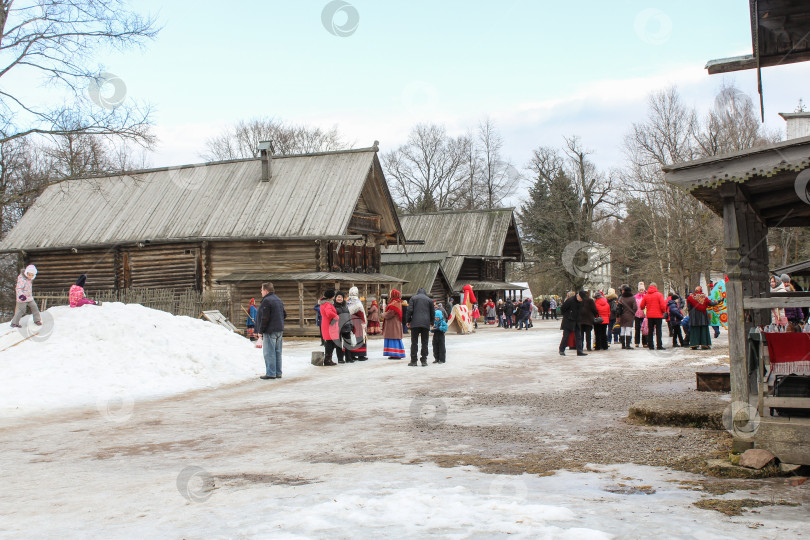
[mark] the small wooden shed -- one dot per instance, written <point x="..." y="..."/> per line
<point x="755" y="190"/>
<point x="308" y="221"/>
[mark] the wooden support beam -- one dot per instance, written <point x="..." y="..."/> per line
<point x="732" y="219"/>
<point x="768" y="303"/>
<point x="300" y="304"/>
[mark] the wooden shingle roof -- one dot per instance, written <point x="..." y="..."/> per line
<point x="465" y="232"/>
<point x="308" y="196"/>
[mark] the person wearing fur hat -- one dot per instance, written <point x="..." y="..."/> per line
<point x="76" y="294"/>
<point x="25" y="297"/>
<point x="392" y="327"/>
<point x="357" y="351"/>
<point x="330" y="331"/>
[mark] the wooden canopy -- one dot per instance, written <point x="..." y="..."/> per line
<point x="753" y="191"/>
<point x="770" y="179"/>
<point x="780" y="34"/>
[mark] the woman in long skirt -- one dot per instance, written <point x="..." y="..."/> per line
<point x="374" y="319"/>
<point x="699" y="319"/>
<point x="355" y="305"/>
<point x="490" y="310"/>
<point x="392" y="327"/>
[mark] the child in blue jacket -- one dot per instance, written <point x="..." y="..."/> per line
<point x="439" y="329"/>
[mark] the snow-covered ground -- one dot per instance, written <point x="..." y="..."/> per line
<point x="192" y="445"/>
<point x="115" y="354"/>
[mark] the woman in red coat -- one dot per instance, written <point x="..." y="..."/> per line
<point x="600" y="329"/>
<point x="656" y="306"/>
<point x="330" y="330"/>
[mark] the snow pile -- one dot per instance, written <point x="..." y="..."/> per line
<point x="114" y="354"/>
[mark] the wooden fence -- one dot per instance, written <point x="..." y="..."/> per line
<point x="189" y="303"/>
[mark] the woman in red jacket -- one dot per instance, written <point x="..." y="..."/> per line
<point x="330" y="330"/>
<point x="600" y="329"/>
<point x="656" y="306"/>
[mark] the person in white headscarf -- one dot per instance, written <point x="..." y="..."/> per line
<point x="358" y="313"/>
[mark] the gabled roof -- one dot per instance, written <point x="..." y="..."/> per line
<point x="465" y="232"/>
<point x="308" y="196"/>
<point x="417" y="275"/>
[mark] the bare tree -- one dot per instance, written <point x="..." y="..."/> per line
<point x="55" y="40"/>
<point x="242" y="140"/>
<point x="676" y="237"/>
<point x="428" y="172"/>
<point x="499" y="178"/>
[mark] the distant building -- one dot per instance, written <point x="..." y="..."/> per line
<point x="599" y="266"/>
<point x="462" y="247"/>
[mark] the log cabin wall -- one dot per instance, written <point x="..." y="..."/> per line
<point x="253" y="257"/>
<point x="168" y="266"/>
<point x="438" y="291"/>
<point x="471" y="270"/>
<point x="58" y="270"/>
<point x="287" y="291"/>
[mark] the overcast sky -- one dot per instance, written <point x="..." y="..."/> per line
<point x="540" y="69"/>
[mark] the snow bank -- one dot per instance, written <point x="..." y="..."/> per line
<point x="114" y="354"/>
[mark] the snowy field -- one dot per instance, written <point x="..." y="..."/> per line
<point x="124" y="422"/>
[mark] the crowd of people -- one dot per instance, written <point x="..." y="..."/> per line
<point x="344" y="327"/>
<point x="635" y="319"/>
<point x="593" y="323"/>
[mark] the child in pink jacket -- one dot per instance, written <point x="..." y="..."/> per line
<point x="76" y="294"/>
<point x="25" y="297"/>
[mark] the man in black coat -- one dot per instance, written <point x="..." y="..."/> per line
<point x="270" y="325"/>
<point x="570" y="310"/>
<point x="420" y="319"/>
<point x="509" y="310"/>
<point x="545" y="304"/>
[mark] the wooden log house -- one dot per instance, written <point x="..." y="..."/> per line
<point x="305" y="222"/>
<point x="472" y="245"/>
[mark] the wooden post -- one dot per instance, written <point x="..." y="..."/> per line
<point x="300" y="304"/>
<point x="734" y="296"/>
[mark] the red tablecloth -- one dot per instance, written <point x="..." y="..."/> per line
<point x="789" y="352"/>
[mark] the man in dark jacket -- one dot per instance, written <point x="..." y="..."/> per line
<point x="570" y="323"/>
<point x="675" y="318"/>
<point x="509" y="310"/>
<point x="545" y="304"/>
<point x="420" y="319"/>
<point x="587" y="314"/>
<point x="270" y="325"/>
